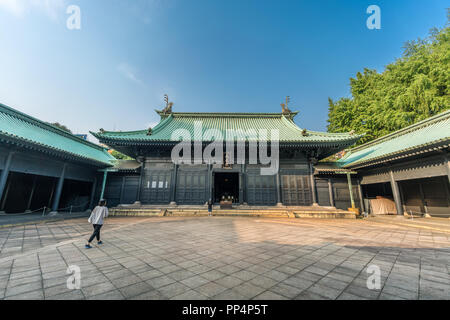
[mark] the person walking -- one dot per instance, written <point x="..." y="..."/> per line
<point x="210" y="207"/>
<point x="98" y="214"/>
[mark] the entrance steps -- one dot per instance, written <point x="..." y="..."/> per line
<point x="240" y="211"/>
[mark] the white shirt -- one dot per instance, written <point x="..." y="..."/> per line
<point x="98" y="214"/>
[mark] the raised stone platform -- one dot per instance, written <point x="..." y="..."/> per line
<point x="243" y="211"/>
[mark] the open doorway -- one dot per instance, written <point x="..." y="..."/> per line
<point x="226" y="185"/>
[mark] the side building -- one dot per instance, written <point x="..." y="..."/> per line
<point x="410" y="166"/>
<point x="45" y="168"/>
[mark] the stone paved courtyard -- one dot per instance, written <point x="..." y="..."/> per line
<point x="225" y="258"/>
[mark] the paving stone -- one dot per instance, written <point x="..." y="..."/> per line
<point x="227" y="257"/>
<point x="70" y="295"/>
<point x="229" y="294"/>
<point x="248" y="290"/>
<point x="211" y="289"/>
<point x="24" y="288"/>
<point x="97" y="289"/>
<point x="159" y="282"/>
<point x="126" y="281"/>
<point x="285" y="290"/>
<point x="32" y="295"/>
<point x="151" y="295"/>
<point x="269" y="295"/>
<point x="229" y="281"/>
<point x="213" y="275"/>
<point x="135" y="290"/>
<point x="194" y="282"/>
<point x="110" y="295"/>
<point x="173" y="289"/>
<point x="189" y="295"/>
<point x="150" y="274"/>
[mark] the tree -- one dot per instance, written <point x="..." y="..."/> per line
<point x="414" y="87"/>
<point x="120" y="156"/>
<point x="61" y="126"/>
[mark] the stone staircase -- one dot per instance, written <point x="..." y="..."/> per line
<point x="266" y="212"/>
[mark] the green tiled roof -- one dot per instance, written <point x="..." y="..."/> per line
<point x="19" y="128"/>
<point x="434" y="131"/>
<point x="289" y="132"/>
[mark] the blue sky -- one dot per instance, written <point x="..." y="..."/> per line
<point x="208" y="55"/>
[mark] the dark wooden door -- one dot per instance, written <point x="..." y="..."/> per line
<point x="261" y="189"/>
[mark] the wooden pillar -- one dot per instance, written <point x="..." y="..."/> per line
<point x="105" y="176"/>
<point x="173" y="194"/>
<point x="244" y="184"/>
<point x="396" y="194"/>
<point x="5" y="173"/>
<point x="279" y="200"/>
<point x="30" y="198"/>
<point x="330" y="192"/>
<point x="361" y="196"/>
<point x="138" y="197"/>
<point x="59" y="188"/>
<point x="210" y="181"/>
<point x="94" y="187"/>
<point x="313" y="185"/>
<point x="350" y="188"/>
<point x="5" y="197"/>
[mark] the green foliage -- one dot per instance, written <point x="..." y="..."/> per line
<point x="61" y="126"/>
<point x="120" y="156"/>
<point x="414" y="87"/>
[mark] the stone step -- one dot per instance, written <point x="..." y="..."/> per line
<point x="272" y="213"/>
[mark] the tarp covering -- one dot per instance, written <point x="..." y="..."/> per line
<point x="382" y="205"/>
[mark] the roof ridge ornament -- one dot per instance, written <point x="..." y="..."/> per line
<point x="169" y="105"/>
<point x="285" y="106"/>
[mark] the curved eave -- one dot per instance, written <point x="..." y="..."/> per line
<point x="401" y="154"/>
<point x="144" y="142"/>
<point x="32" y="145"/>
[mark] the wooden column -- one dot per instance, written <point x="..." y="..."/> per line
<point x="59" y="188"/>
<point x="313" y="184"/>
<point x="279" y="200"/>
<point x="361" y="196"/>
<point x="173" y="194"/>
<point x="105" y="176"/>
<point x="350" y="188"/>
<point x="94" y="187"/>
<point x="396" y="193"/>
<point x="5" y="173"/>
<point x="138" y="197"/>
<point x="210" y="182"/>
<point x="330" y="192"/>
<point x="5" y="196"/>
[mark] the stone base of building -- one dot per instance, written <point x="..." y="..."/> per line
<point x="238" y="210"/>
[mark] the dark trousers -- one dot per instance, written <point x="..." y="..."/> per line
<point x="96" y="233"/>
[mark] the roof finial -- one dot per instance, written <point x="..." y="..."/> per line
<point x="168" y="108"/>
<point x="284" y="106"/>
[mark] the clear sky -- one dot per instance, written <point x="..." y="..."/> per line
<point x="208" y="55"/>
